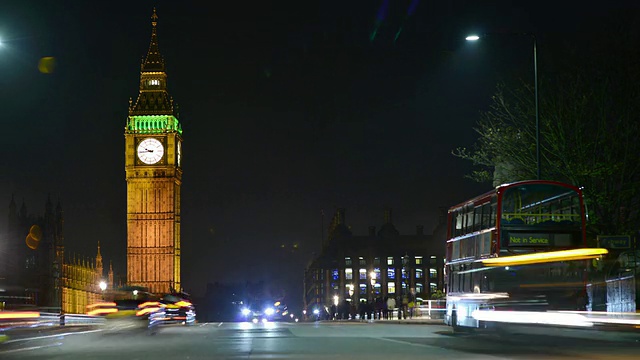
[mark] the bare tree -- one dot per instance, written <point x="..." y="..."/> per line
<point x="589" y="132"/>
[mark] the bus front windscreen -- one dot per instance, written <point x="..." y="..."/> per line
<point x="540" y="216"/>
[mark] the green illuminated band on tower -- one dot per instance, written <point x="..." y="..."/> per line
<point x="153" y="124"/>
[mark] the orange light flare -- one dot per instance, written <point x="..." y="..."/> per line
<point x="98" y="312"/>
<point x="101" y="308"/>
<point x="112" y="304"/>
<point x="148" y="303"/>
<point x="183" y="303"/>
<point x="147" y="310"/>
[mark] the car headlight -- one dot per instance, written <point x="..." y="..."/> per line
<point x="246" y="311"/>
<point x="269" y="311"/>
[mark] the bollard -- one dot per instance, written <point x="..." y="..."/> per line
<point x="61" y="319"/>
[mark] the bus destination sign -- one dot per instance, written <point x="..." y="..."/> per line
<point x="520" y="239"/>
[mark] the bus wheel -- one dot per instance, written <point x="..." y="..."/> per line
<point x="454" y="322"/>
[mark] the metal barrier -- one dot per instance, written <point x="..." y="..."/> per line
<point x="32" y="319"/>
<point x="432" y="309"/>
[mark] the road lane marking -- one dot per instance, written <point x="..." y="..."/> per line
<point x="30" y="348"/>
<point x="51" y="336"/>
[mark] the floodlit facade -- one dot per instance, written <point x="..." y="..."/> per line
<point x="153" y="166"/>
<point x="39" y="271"/>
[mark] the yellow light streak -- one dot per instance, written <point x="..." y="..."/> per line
<point x="148" y="303"/>
<point x="545" y="257"/>
<point x="19" y="314"/>
<point x="147" y="310"/>
<point x="102" y="311"/>
<point x="101" y="304"/>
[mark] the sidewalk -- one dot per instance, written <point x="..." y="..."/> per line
<point x="425" y="320"/>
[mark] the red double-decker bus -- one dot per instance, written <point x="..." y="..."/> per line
<point x="521" y="246"/>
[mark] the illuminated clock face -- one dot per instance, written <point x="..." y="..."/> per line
<point x="179" y="153"/>
<point x="150" y="151"/>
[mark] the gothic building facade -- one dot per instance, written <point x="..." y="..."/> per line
<point x="37" y="269"/>
<point x="383" y="263"/>
<point x="81" y="278"/>
<point x="153" y="167"/>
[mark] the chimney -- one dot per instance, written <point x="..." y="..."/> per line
<point x="419" y="230"/>
<point x="372" y="231"/>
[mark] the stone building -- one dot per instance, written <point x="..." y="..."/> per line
<point x="37" y="271"/>
<point x="382" y="263"/>
<point x="81" y="278"/>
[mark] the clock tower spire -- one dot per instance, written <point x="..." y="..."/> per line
<point x="153" y="150"/>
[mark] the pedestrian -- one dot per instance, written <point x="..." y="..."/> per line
<point x="391" y="306"/>
<point x="385" y="309"/>
<point x="362" y="310"/>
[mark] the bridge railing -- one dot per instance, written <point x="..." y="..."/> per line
<point x="31" y="319"/>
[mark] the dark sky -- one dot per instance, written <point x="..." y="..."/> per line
<point x="288" y="108"/>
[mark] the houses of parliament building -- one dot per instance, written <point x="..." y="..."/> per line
<point x="35" y="267"/>
<point x="37" y="270"/>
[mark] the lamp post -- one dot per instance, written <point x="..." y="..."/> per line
<point x="405" y="273"/>
<point x="535" y="90"/>
<point x="373" y="284"/>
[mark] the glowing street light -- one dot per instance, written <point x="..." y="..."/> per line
<point x="535" y="89"/>
<point x="102" y="285"/>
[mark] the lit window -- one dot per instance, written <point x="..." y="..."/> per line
<point x="348" y="274"/>
<point x="347" y="261"/>
<point x="376" y="261"/>
<point x="433" y="273"/>
<point x="391" y="288"/>
<point x="419" y="288"/>
<point x="418" y="273"/>
<point x="361" y="260"/>
<point x="363" y="289"/>
<point x="418" y="260"/>
<point x="391" y="273"/>
<point x="363" y="274"/>
<point x="154" y="82"/>
<point x="433" y="287"/>
<point x="334" y="274"/>
<point x="376" y="288"/>
<point x="390" y="260"/>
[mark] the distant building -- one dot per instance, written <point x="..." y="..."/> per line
<point x="81" y="283"/>
<point x="380" y="264"/>
<point x="35" y="268"/>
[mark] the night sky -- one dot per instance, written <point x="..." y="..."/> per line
<point x="289" y="108"/>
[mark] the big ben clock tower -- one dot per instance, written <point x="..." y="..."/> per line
<point x="153" y="166"/>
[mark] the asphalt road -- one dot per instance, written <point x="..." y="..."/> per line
<point x="324" y="340"/>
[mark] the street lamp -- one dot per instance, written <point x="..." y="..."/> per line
<point x="373" y="284"/>
<point x="102" y="285"/>
<point x="535" y="90"/>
